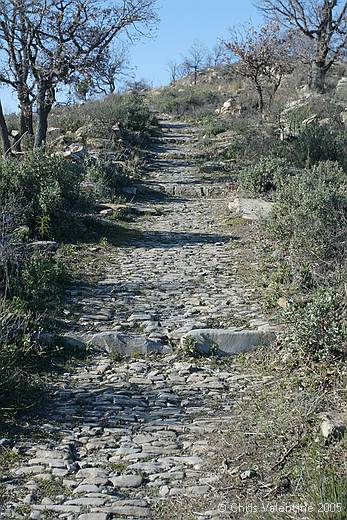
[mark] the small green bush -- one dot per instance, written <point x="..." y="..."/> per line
<point x="19" y="353"/>
<point x="13" y="242"/>
<point x="44" y="185"/>
<point x="317" y="328"/>
<point x="267" y="175"/>
<point x="185" y="101"/>
<point x="41" y="283"/>
<point x="104" y="178"/>
<point x="316" y="143"/>
<point x="98" y="117"/>
<point x="134" y="115"/>
<point x="309" y="217"/>
<point x="251" y="139"/>
<point x="212" y="126"/>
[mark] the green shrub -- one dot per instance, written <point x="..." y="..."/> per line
<point x="309" y="217"/>
<point x="45" y="186"/>
<point x="317" y="328"/>
<point x="23" y="359"/>
<point x="236" y="150"/>
<point x="98" y="117"/>
<point x="212" y="126"/>
<point x="13" y="246"/>
<point x="134" y="115"/>
<point x="19" y="353"/>
<point x="267" y="175"/>
<point x="105" y="178"/>
<point x="316" y="143"/>
<point x="41" y="283"/>
<point x="185" y="101"/>
<point x="250" y="140"/>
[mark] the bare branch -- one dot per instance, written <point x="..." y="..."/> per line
<point x="323" y="21"/>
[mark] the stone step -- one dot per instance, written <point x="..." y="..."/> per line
<point x="191" y="191"/>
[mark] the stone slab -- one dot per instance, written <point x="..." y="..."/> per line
<point x="224" y="342"/>
<point x="126" y="345"/>
<point x="250" y="209"/>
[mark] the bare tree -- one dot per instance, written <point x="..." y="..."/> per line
<point x="107" y="72"/>
<point x="216" y="56"/>
<point x="195" y="60"/>
<point x="56" y="39"/>
<point x="104" y="75"/>
<point x="262" y="57"/>
<point x="76" y="41"/>
<point x="16" y="37"/>
<point x="302" y="51"/>
<point x="137" y="85"/>
<point x="176" y="71"/>
<point x="322" y="21"/>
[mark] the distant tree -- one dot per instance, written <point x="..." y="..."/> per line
<point x="301" y="50"/>
<point x="216" y="56"/>
<point x="43" y="43"/>
<point x="137" y="85"/>
<point x="322" y="21"/>
<point x="195" y="60"/>
<point x="176" y="71"/>
<point x="262" y="57"/>
<point x="82" y="87"/>
<point x="107" y="72"/>
<point x="103" y="76"/>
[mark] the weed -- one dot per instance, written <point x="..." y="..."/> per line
<point x="120" y="467"/>
<point x="51" y="488"/>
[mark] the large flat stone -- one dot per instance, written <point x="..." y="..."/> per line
<point x="224" y="342"/>
<point x="127" y="481"/>
<point x="251" y="209"/>
<point x="126" y="345"/>
<point x="70" y="342"/>
<point x="94" y="516"/>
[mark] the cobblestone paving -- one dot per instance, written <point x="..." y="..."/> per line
<point x="125" y="436"/>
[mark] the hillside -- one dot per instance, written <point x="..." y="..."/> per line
<point x="173" y="326"/>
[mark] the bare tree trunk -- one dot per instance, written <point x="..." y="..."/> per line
<point x="42" y="125"/>
<point x="6" y="145"/>
<point x="26" y="120"/>
<point x="318" y="74"/>
<point x="26" y="111"/>
<point x="260" y="97"/>
<point x="276" y="86"/>
<point x="112" y="86"/>
<point x="319" y="66"/>
<point x="45" y="100"/>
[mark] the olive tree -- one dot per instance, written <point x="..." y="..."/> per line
<point x="324" y="22"/>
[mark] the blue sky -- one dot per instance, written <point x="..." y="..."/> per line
<point x="181" y="22"/>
